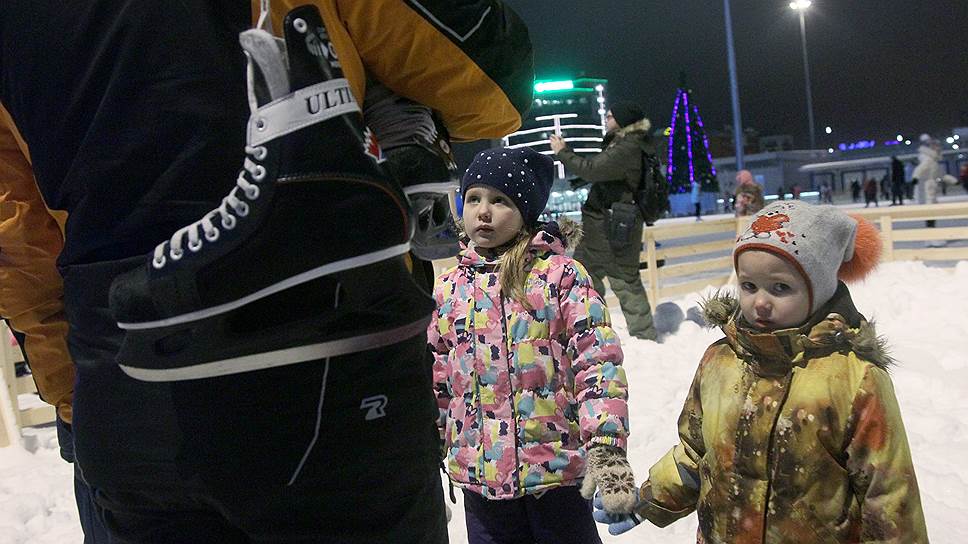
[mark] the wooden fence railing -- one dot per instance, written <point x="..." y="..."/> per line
<point x="698" y="254"/>
<point x="13" y="416"/>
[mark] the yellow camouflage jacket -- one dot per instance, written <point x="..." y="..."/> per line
<point x="791" y="436"/>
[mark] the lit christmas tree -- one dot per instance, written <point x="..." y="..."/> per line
<point x="689" y="156"/>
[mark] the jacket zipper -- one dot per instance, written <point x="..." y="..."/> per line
<point x="769" y="453"/>
<point x="514" y="412"/>
<point x="477" y="381"/>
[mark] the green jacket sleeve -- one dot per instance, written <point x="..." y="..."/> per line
<point x="618" y="162"/>
<point x="672" y="490"/>
<point x="880" y="467"/>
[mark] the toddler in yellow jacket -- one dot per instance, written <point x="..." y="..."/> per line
<point x="791" y="430"/>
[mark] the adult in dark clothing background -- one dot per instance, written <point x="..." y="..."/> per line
<point x="135" y="117"/>
<point x="897" y="182"/>
<point x="614" y="174"/>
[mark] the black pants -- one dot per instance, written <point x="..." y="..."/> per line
<point x="897" y="193"/>
<point x="291" y="454"/>
<point x="698" y="210"/>
<point x="558" y="516"/>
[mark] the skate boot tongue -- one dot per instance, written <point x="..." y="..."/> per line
<point x="269" y="78"/>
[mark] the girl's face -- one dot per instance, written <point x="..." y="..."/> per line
<point x="490" y="218"/>
<point x="772" y="293"/>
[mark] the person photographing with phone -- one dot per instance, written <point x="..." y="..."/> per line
<point x="610" y="220"/>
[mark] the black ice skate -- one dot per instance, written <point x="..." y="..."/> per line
<point x="428" y="174"/>
<point x="304" y="259"/>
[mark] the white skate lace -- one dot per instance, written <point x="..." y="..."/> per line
<point x="231" y="203"/>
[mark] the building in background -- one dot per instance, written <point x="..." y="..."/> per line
<point x="775" y="142"/>
<point x="841" y="165"/>
<point x="574" y="109"/>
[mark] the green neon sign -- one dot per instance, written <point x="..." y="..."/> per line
<point x="545" y="86"/>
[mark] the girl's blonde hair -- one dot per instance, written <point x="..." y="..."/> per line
<point x="514" y="266"/>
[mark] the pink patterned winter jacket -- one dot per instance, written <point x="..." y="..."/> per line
<point x="523" y="393"/>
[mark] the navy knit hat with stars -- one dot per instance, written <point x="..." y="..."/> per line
<point x="523" y="174"/>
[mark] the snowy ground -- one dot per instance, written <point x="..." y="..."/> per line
<point x="921" y="310"/>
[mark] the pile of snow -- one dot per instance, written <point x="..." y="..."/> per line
<point x="921" y="310"/>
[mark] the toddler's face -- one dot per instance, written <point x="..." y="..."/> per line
<point x="490" y="218"/>
<point x="772" y="293"/>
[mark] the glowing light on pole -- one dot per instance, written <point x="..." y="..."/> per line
<point x="600" y="89"/>
<point x="800" y="6"/>
<point x="734" y="87"/>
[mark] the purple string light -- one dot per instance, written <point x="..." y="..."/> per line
<point x="685" y="102"/>
<point x="672" y="134"/>
<point x="705" y="140"/>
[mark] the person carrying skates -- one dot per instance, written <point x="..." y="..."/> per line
<point x="145" y="157"/>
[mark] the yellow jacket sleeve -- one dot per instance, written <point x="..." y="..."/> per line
<point x="31" y="289"/>
<point x="473" y="65"/>
<point x="672" y="490"/>
<point x="880" y="466"/>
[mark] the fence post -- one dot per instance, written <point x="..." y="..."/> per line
<point x="887" y="237"/>
<point x="650" y="258"/>
<point x="9" y="426"/>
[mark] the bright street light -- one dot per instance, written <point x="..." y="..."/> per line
<point x="800" y="6"/>
<point x="900" y="138"/>
<point x="828" y="130"/>
<point x="734" y="87"/>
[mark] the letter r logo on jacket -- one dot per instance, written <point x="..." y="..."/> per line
<point x="375" y="406"/>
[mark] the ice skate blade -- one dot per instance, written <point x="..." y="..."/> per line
<point x="331" y="268"/>
<point x="279" y="357"/>
<point x="440" y="187"/>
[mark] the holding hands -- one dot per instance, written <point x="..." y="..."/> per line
<point x="617" y="523"/>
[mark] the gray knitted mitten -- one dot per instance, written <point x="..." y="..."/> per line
<point x="608" y="469"/>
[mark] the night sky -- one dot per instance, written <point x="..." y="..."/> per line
<point x="877" y="66"/>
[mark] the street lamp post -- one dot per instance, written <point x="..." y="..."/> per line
<point x="734" y="89"/>
<point x="800" y="6"/>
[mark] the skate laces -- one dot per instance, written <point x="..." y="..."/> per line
<point x="231" y="203"/>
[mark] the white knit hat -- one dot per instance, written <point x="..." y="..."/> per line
<point x="820" y="241"/>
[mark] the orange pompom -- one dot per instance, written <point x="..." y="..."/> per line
<point x="867" y="252"/>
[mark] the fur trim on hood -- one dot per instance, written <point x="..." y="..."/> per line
<point x="642" y="125"/>
<point x="838" y="329"/>
<point x="571" y="231"/>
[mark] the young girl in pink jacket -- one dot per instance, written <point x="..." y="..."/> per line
<point x="528" y="374"/>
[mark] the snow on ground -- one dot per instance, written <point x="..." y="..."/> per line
<point x="921" y="310"/>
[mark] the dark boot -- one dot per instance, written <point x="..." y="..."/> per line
<point x="304" y="259"/>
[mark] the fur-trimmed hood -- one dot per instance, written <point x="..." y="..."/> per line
<point x="642" y="125"/>
<point x="835" y="327"/>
